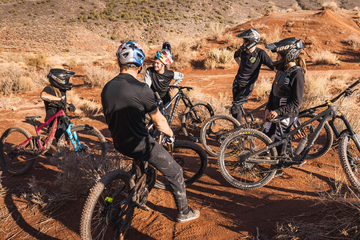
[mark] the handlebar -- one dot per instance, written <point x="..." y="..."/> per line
<point x="179" y="87"/>
<point x="346" y="92"/>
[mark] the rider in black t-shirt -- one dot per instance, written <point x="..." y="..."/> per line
<point x="125" y="102"/>
<point x="54" y="96"/>
<point x="249" y="58"/>
<point x="159" y="77"/>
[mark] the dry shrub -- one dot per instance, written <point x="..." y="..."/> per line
<point x="316" y="91"/>
<point x="331" y="5"/>
<point x="219" y="58"/>
<point x="290" y="23"/>
<point x="38" y="61"/>
<point x="294" y="8"/>
<point x="259" y="26"/>
<point x="325" y="57"/>
<point x="182" y="54"/>
<point x="216" y="31"/>
<point x="96" y="76"/>
<point x="228" y="37"/>
<point x="271" y="8"/>
<point x="199" y="43"/>
<point x="236" y="44"/>
<point x="9" y="102"/>
<point x="263" y="87"/>
<point x="15" y="80"/>
<point x="84" y="107"/>
<point x="275" y="35"/>
<point x="3" y="189"/>
<point x="352" y="41"/>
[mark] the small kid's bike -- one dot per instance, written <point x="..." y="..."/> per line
<point x="18" y="149"/>
<point x="249" y="159"/>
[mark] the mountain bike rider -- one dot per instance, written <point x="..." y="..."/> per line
<point x="249" y="58"/>
<point x="158" y="77"/>
<point x="288" y="87"/>
<point x="54" y="96"/>
<point x="125" y="102"/>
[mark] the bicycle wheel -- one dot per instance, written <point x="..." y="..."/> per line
<point x="108" y="211"/>
<point x="350" y="159"/>
<point x="233" y="164"/>
<point x="193" y="160"/>
<point x="322" y="143"/>
<point x="215" y="130"/>
<point x="16" y="160"/>
<point x="91" y="140"/>
<point x="193" y="119"/>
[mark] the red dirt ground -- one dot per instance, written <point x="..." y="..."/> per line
<point x="226" y="212"/>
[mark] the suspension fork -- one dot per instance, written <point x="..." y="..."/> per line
<point x="72" y="136"/>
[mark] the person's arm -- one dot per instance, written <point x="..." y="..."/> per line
<point x="48" y="97"/>
<point x="178" y="77"/>
<point x="237" y="56"/>
<point x="267" y="60"/>
<point x="147" y="78"/>
<point x="160" y="122"/>
<point x="297" y="93"/>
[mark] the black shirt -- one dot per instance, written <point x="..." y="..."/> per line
<point x="50" y="110"/>
<point x="125" y="101"/>
<point x="250" y="64"/>
<point x="160" y="82"/>
<point x="287" y="100"/>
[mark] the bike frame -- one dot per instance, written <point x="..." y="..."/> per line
<point x="36" y="139"/>
<point x="325" y="116"/>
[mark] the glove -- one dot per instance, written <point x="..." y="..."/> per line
<point x="71" y="107"/>
<point x="170" y="140"/>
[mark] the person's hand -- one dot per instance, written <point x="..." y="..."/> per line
<point x="266" y="114"/>
<point x="71" y="107"/>
<point x="272" y="115"/>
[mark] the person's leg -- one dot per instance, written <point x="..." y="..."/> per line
<point x="240" y="94"/>
<point x="165" y="100"/>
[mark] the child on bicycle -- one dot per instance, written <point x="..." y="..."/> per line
<point x="249" y="58"/>
<point x="288" y="87"/>
<point x="158" y="77"/>
<point x="54" y="96"/>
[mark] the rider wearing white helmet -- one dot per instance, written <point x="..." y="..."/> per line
<point x="125" y="102"/>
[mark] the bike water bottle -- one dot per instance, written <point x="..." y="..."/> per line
<point x="301" y="145"/>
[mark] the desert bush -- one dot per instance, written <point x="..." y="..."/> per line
<point x="96" y="76"/>
<point x="10" y="101"/>
<point x="182" y="54"/>
<point x="84" y="107"/>
<point x="271" y="8"/>
<point x="259" y="26"/>
<point x="219" y="58"/>
<point x="352" y="41"/>
<point x="274" y="35"/>
<point x="198" y="44"/>
<point x="38" y="61"/>
<point x="263" y="85"/>
<point x="331" y="5"/>
<point x="15" y="80"/>
<point x="228" y="37"/>
<point x="325" y="57"/>
<point x="294" y="8"/>
<point x="216" y="30"/>
<point x="316" y="90"/>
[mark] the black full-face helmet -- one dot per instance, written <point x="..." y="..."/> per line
<point x="252" y="36"/>
<point x="59" y="78"/>
<point x="288" y="48"/>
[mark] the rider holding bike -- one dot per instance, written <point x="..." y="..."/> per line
<point x="125" y="102"/>
<point x="54" y="96"/>
<point x="158" y="77"/>
<point x="288" y="87"/>
<point x="249" y="58"/>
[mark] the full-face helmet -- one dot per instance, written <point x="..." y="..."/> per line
<point x="252" y="36"/>
<point x="59" y="78"/>
<point x="165" y="57"/>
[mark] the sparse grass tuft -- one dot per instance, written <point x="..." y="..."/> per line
<point x="263" y="84"/>
<point x="294" y="8"/>
<point x="216" y="31"/>
<point x="316" y="91"/>
<point x="182" y="54"/>
<point x="15" y="80"/>
<point x="84" y="107"/>
<point x="352" y="41"/>
<point x="331" y="5"/>
<point x="219" y="58"/>
<point x="325" y="57"/>
<point x="96" y="76"/>
<point x="38" y="61"/>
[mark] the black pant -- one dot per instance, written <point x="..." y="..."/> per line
<point x="166" y="99"/>
<point x="240" y="93"/>
<point x="160" y="158"/>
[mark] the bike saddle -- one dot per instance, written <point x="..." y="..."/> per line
<point x="239" y="102"/>
<point x="32" y="117"/>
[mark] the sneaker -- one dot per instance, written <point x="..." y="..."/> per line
<point x="190" y="215"/>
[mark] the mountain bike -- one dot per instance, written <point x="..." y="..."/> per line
<point x="109" y="208"/>
<point x="249" y="159"/>
<point x="218" y="127"/>
<point x="19" y="149"/>
<point x="194" y="115"/>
